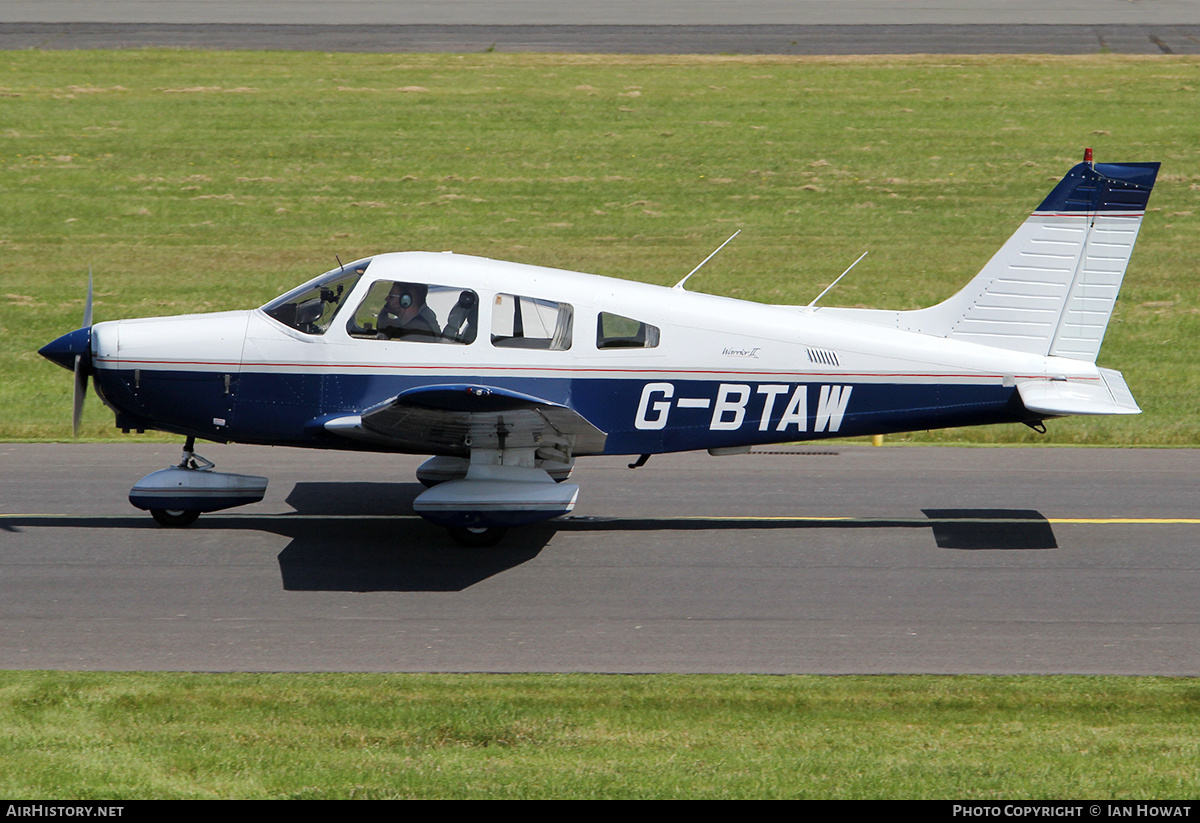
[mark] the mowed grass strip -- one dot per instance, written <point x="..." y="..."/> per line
<point x="121" y="736"/>
<point x="201" y="181"/>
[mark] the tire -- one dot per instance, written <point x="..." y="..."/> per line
<point x="174" y="518"/>
<point x="477" y="538"/>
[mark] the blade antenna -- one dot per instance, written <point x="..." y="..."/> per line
<point x="835" y="282"/>
<point x="679" y="285"/>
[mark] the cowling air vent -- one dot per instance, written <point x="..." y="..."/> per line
<point x="824" y="357"/>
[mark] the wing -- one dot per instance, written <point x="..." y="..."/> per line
<point x="453" y="419"/>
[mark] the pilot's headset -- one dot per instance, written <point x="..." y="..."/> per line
<point x="413" y="293"/>
<point x="463" y="312"/>
<point x="404" y="300"/>
<point x="406" y="297"/>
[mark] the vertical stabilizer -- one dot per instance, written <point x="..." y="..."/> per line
<point x="1051" y="288"/>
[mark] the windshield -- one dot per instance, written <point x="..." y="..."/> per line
<point x="311" y="308"/>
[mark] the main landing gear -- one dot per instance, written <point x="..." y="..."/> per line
<point x="479" y="499"/>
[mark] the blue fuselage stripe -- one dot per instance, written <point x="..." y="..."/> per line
<point x="639" y="415"/>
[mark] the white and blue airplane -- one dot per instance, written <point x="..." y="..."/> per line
<point x="506" y="373"/>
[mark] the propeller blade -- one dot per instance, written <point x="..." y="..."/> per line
<point x="80" y="393"/>
<point x="81" y="365"/>
<point x="87" y="307"/>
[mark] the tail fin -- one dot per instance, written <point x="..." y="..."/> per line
<point x="1051" y="288"/>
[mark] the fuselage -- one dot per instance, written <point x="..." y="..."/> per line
<point x="656" y="369"/>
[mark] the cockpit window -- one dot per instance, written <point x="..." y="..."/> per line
<point x="616" y="332"/>
<point x="417" y="312"/>
<point x="312" y="307"/>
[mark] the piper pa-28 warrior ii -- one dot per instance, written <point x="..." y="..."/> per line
<point x="507" y="373"/>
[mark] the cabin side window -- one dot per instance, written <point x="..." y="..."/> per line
<point x="520" y="322"/>
<point x="616" y="332"/>
<point x="416" y="312"/>
<point x="312" y="307"/>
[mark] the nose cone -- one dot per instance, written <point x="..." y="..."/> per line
<point x="64" y="350"/>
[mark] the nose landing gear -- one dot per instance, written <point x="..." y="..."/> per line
<point x="176" y="496"/>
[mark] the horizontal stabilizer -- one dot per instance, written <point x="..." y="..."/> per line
<point x="1109" y="395"/>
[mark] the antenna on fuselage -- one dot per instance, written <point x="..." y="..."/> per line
<point x="341" y="265"/>
<point x="679" y="285"/>
<point x="835" y="282"/>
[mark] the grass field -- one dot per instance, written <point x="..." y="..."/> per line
<point x="123" y="736"/>
<point x="195" y="181"/>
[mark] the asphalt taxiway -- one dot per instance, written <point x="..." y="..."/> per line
<point x="788" y="27"/>
<point x="823" y="559"/>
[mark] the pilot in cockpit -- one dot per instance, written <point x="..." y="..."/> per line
<point x="405" y="314"/>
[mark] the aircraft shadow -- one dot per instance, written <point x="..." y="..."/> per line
<point x="976" y="529"/>
<point x="372" y="555"/>
<point x="363" y="537"/>
<point x="371" y="541"/>
<point x="372" y="499"/>
<point x="348" y="553"/>
<point x="991" y="529"/>
<point x="358" y="537"/>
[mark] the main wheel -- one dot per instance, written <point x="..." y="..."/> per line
<point x="174" y="518"/>
<point x="477" y="537"/>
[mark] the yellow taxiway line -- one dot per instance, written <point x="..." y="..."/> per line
<point x="1092" y="521"/>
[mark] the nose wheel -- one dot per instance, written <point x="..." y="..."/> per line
<point x="174" y="518"/>
<point x="178" y="518"/>
<point x="176" y="496"/>
<point x="479" y="537"/>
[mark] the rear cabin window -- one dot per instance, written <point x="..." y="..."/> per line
<point x="416" y="312"/>
<point x="531" y="323"/>
<point x="616" y="332"/>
